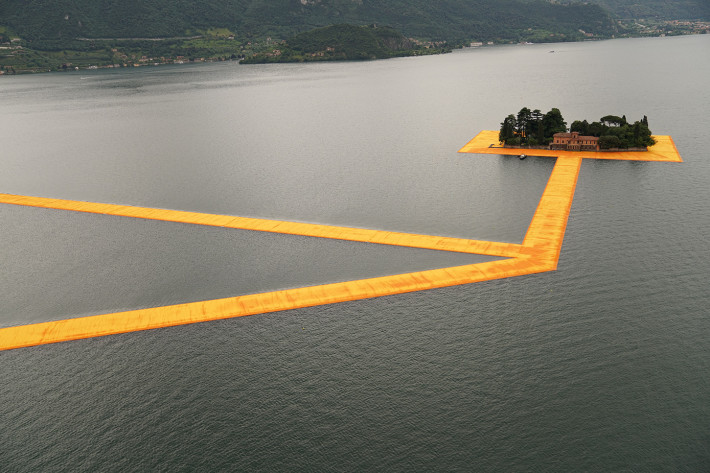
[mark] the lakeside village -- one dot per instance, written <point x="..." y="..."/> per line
<point x="16" y="57"/>
<point x="532" y="129"/>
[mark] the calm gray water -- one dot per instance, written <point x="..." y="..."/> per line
<point x="600" y="366"/>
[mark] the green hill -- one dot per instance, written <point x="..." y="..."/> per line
<point x="69" y="34"/>
<point x="343" y="42"/>
<point x="658" y="9"/>
<point x="59" y="21"/>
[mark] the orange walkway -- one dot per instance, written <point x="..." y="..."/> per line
<point x="539" y="252"/>
<point x="428" y="242"/>
<point x="486" y="142"/>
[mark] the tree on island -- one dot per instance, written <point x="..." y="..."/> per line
<point x="507" y="131"/>
<point x="616" y="132"/>
<point x="531" y="128"/>
<point x="553" y="123"/>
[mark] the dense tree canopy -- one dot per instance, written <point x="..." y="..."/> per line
<point x="343" y="42"/>
<point x="531" y="128"/>
<point x="439" y="20"/>
<point x="616" y="132"/>
<point x="663" y="9"/>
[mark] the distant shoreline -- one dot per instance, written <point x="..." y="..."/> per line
<point x="143" y="61"/>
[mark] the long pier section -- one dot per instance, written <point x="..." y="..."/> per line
<point x="539" y="252"/>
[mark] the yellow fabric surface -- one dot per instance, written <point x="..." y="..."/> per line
<point x="486" y="142"/>
<point x="461" y="245"/>
<point x="539" y="252"/>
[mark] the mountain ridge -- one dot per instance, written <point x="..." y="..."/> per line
<point x="447" y="20"/>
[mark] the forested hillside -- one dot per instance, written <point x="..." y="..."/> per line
<point x="344" y="42"/>
<point x="659" y="9"/>
<point x="54" y="22"/>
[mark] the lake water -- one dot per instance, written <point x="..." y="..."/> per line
<point x="601" y="365"/>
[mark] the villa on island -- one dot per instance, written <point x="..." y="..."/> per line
<point x="574" y="142"/>
<point x="532" y="129"/>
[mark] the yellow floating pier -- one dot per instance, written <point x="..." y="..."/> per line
<point x="486" y="142"/>
<point x="428" y="242"/>
<point x="539" y="252"/>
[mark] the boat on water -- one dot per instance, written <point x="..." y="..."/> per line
<point x="523" y="156"/>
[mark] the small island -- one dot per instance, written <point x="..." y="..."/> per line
<point x="345" y="42"/>
<point x="532" y="129"/>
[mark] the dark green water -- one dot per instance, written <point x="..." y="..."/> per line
<point x="600" y="366"/>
